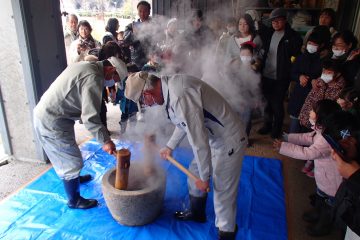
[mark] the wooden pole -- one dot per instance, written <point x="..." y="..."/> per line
<point x="122" y="168"/>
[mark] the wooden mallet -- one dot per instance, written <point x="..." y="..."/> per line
<point x="122" y="168"/>
<point x="184" y="170"/>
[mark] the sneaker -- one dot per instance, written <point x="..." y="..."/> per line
<point x="309" y="165"/>
<point x="310" y="174"/>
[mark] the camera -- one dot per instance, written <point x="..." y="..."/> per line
<point x="84" y="44"/>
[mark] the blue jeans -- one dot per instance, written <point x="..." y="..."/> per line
<point x="328" y="199"/>
<point x="294" y="126"/>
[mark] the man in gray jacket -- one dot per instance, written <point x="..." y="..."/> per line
<point x="215" y="132"/>
<point x="75" y="94"/>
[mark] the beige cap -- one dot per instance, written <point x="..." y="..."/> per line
<point x="120" y="67"/>
<point x="135" y="85"/>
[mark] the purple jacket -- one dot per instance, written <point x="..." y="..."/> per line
<point x="327" y="177"/>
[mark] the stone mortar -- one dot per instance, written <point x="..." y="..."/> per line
<point x="142" y="202"/>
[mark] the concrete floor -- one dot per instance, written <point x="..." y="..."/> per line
<point x="16" y="175"/>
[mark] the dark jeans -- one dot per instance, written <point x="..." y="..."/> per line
<point x="126" y="116"/>
<point x="294" y="125"/>
<point x="274" y="92"/>
<point x="103" y="111"/>
<point x="328" y="199"/>
<point x="246" y="117"/>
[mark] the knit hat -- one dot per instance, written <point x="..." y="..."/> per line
<point x="120" y="67"/>
<point x="135" y="84"/>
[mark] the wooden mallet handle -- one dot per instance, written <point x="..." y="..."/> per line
<point x="122" y="168"/>
<point x="184" y="170"/>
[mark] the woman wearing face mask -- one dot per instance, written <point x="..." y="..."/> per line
<point x="342" y="45"/>
<point x="326" y="19"/>
<point x="244" y="79"/>
<point x="328" y="86"/>
<point x="344" y="51"/>
<point x="246" y="32"/>
<point x="81" y="46"/>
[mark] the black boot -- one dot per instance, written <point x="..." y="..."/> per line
<point x="85" y="178"/>
<point x="313" y="215"/>
<point x="265" y="129"/>
<point x="228" y="235"/>
<point x="72" y="189"/>
<point x="196" y="212"/>
<point x="325" y="223"/>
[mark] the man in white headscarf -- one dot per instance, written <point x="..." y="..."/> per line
<point x="75" y="94"/>
<point x="215" y="132"/>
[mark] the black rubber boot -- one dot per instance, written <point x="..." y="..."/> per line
<point x="265" y="129"/>
<point x="325" y="223"/>
<point x="196" y="212"/>
<point x="228" y="235"/>
<point x="313" y="215"/>
<point x="85" y="178"/>
<point x="72" y="189"/>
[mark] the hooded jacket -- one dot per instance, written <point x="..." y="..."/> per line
<point x="327" y="177"/>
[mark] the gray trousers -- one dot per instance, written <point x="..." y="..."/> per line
<point x="61" y="148"/>
<point x="226" y="170"/>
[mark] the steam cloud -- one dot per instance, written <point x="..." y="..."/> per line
<point x="240" y="89"/>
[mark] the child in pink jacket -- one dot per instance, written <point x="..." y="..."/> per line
<point x="312" y="145"/>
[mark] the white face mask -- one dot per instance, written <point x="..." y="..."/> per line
<point x="246" y="59"/>
<point x="327" y="77"/>
<point x="109" y="83"/>
<point x="312" y="122"/>
<point x="311" y="48"/>
<point x="338" y="53"/>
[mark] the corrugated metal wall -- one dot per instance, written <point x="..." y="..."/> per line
<point x="181" y="8"/>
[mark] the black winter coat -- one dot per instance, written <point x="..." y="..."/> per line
<point x="138" y="49"/>
<point x="347" y="205"/>
<point x="305" y="64"/>
<point x="350" y="69"/>
<point x="289" y="46"/>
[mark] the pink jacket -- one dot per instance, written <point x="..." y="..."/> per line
<point x="327" y="177"/>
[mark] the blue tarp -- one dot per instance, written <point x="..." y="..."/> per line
<point x="39" y="211"/>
